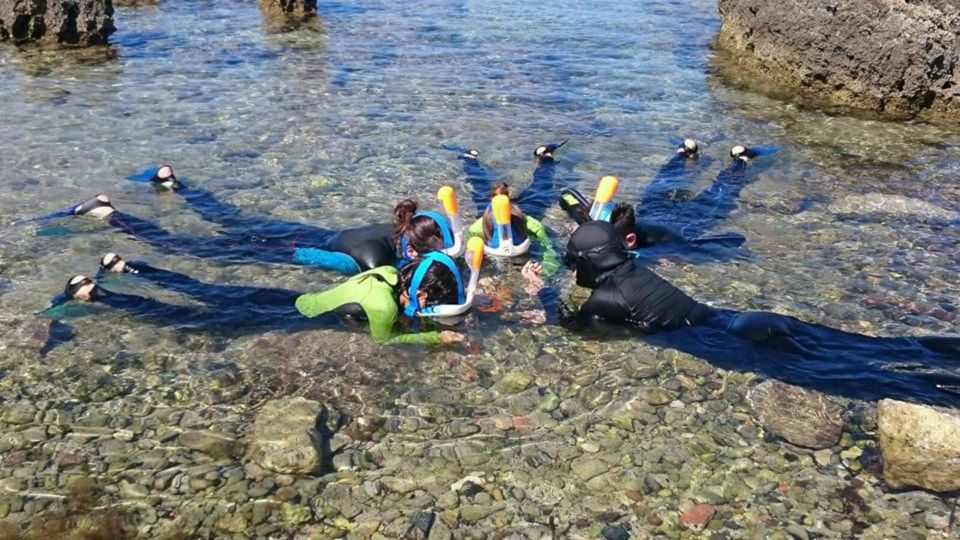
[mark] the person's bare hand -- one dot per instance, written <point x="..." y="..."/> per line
<point x="533" y="316"/>
<point x="531" y="272"/>
<point x="448" y="337"/>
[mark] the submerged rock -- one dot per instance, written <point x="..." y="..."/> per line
<point x="891" y="205"/>
<point x="74" y="22"/>
<point x="802" y="417"/>
<point x="888" y="56"/>
<point x="920" y="446"/>
<point x="284" y="437"/>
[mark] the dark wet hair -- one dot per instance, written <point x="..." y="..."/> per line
<point x="517" y="219"/>
<point x="438" y="282"/>
<point x="624" y="218"/>
<point x="423" y="233"/>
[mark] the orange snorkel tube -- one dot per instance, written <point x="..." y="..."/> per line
<point x="451" y="208"/>
<point x="603" y="201"/>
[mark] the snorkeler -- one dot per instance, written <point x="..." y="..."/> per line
<point x="626" y="292"/>
<point x="535" y="199"/>
<point x="507" y="231"/>
<point x="377" y="296"/>
<point x="348" y="251"/>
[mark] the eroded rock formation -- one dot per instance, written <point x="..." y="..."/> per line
<point x="889" y="56"/>
<point x="74" y="22"/>
<point x="289" y="9"/>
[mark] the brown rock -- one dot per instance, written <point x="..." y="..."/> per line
<point x="888" y="56"/>
<point x="802" y="417"/>
<point x="920" y="446"/>
<point x="74" y="22"/>
<point x="697" y="517"/>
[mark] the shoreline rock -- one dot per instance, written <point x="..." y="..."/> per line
<point x="802" y="417"/>
<point x="920" y="446"/>
<point x="886" y="56"/>
<point x="68" y="22"/>
<point x="284" y="436"/>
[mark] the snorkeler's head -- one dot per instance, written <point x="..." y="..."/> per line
<point x="624" y="218"/>
<point x="438" y="285"/>
<point x="421" y="232"/>
<point x="517" y="218"/>
<point x="594" y="249"/>
<point x="79" y="288"/>
<point x="165" y="178"/>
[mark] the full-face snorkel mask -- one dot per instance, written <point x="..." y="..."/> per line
<point x="474" y="257"/>
<point x="603" y="201"/>
<point x="450" y="225"/>
<point x="594" y="249"/>
<point x="502" y="242"/>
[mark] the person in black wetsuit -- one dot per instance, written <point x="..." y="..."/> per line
<point x="534" y="200"/>
<point x="626" y="292"/>
<point x="277" y="242"/>
<point x="375" y="297"/>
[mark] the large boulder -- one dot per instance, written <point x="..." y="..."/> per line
<point x="73" y="22"/>
<point x="285" y="438"/>
<point x="802" y="417"/>
<point x="289" y="9"/>
<point x="889" y="56"/>
<point x="920" y="446"/>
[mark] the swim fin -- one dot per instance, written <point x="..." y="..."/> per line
<point x="145" y="176"/>
<point x="727" y="239"/>
<point x="58" y="214"/>
<point x="575" y="205"/>
<point x="328" y="260"/>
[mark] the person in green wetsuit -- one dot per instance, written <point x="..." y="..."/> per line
<point x="523" y="226"/>
<point x="375" y="297"/>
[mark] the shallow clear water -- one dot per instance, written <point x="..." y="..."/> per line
<point x="333" y="123"/>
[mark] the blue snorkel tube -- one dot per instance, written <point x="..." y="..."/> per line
<point x="464" y="298"/>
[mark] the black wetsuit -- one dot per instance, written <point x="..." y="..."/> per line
<point x="625" y="292"/>
<point x="255" y="240"/>
<point x="534" y="200"/>
<point x="663" y="202"/>
<point x="227" y="309"/>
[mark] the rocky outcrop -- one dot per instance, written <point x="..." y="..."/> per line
<point x="920" y="446"/>
<point x="73" y="22"/>
<point x="802" y="417"/>
<point x="289" y="9"/>
<point x="889" y="56"/>
<point x="891" y="205"/>
<point x="285" y="437"/>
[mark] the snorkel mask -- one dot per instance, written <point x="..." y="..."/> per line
<point x="450" y="225"/>
<point x="603" y="201"/>
<point x="502" y="244"/>
<point x="474" y="257"/>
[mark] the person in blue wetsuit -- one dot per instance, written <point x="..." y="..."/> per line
<point x="625" y="292"/>
<point x="276" y="242"/>
<point x="376" y="297"/>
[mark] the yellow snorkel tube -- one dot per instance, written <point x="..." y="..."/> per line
<point x="503" y="230"/>
<point x="603" y="202"/>
<point x="451" y="209"/>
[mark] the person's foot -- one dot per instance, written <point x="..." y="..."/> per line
<point x="689" y="148"/>
<point x="98" y="207"/>
<point x="742" y="152"/>
<point x="165" y="179"/>
<point x="472" y="154"/>
<point x="79" y="288"/>
<point x="544" y="152"/>
<point x="111" y="262"/>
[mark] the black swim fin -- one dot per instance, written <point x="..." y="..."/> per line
<point x="575" y="205"/>
<point x="726" y="239"/>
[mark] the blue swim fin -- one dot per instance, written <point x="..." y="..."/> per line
<point x="327" y="260"/>
<point x="764" y="150"/>
<point x="145" y="176"/>
<point x="58" y="214"/>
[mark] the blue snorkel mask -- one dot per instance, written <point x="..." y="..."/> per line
<point x="474" y="257"/>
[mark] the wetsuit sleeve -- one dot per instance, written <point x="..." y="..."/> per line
<point x="550" y="261"/>
<point x="476" y="229"/>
